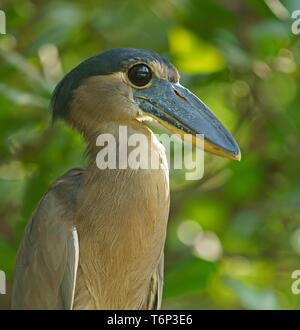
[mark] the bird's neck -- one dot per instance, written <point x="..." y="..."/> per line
<point x="109" y="186"/>
<point x="122" y="223"/>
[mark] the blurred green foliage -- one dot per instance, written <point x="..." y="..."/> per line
<point x="234" y="236"/>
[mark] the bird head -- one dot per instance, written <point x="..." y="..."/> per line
<point x="125" y="85"/>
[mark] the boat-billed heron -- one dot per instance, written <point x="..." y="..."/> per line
<point x="96" y="239"/>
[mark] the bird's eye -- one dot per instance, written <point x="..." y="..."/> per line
<point x="139" y="75"/>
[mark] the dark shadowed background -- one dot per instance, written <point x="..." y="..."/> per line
<point x="234" y="236"/>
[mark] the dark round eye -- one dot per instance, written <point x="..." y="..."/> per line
<point x="140" y="75"/>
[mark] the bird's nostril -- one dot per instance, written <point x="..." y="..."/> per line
<point x="179" y="95"/>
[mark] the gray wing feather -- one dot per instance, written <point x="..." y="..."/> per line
<point x="156" y="287"/>
<point x="69" y="279"/>
<point x="47" y="260"/>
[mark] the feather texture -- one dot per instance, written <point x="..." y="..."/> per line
<point x="47" y="259"/>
